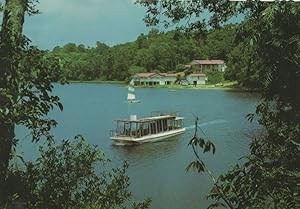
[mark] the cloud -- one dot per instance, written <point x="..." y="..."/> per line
<point x="63" y="21"/>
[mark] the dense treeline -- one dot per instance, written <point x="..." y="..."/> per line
<point x="153" y="52"/>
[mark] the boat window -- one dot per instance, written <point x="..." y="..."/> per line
<point x="169" y="123"/>
<point x="145" y="129"/>
<point x="176" y="124"/>
<point x="126" y="129"/>
<point x="158" y="126"/>
<point x="153" y="127"/>
<point x="165" y="125"/>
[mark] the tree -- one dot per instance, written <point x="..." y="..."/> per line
<point x="25" y="82"/>
<point x="269" y="178"/>
<point x="241" y="68"/>
<point x="142" y="41"/>
<point x="155" y="51"/>
<point x="180" y="67"/>
<point x="70" y="47"/>
<point x="136" y="69"/>
<point x="101" y="47"/>
<point x="219" y="42"/>
<point x="26" y="78"/>
<point x="9" y="40"/>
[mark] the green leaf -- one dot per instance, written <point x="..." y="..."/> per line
<point x="208" y="146"/>
<point x="60" y="106"/>
<point x="216" y="205"/>
<point x="197" y="166"/>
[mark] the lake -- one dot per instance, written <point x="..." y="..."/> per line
<point x="157" y="170"/>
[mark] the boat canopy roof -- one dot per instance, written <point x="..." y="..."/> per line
<point x="148" y="119"/>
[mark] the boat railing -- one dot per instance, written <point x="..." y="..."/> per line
<point x="112" y="133"/>
<point x="116" y="133"/>
<point x="128" y="133"/>
<point x="161" y="113"/>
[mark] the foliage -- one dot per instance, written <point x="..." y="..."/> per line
<point x="36" y="71"/>
<point x="275" y="156"/>
<point x="155" y="51"/>
<point x="180" y="68"/>
<point x="240" y="66"/>
<point x="220" y="42"/>
<point x="72" y="174"/>
<point x="199" y="166"/>
<point x="26" y="77"/>
<point x="65" y="176"/>
<point x="136" y="69"/>
<point x="266" y="56"/>
<point x="215" y="77"/>
<point x="26" y="95"/>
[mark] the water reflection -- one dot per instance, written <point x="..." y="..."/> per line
<point x="144" y="152"/>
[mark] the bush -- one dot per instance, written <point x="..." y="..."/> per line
<point x="180" y="68"/>
<point x="215" y="77"/>
<point x="70" y="175"/>
<point x="136" y="69"/>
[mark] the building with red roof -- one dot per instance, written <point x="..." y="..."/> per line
<point x="196" y="79"/>
<point x="209" y="65"/>
<point x="153" y="79"/>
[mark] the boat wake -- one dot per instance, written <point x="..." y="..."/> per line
<point x="209" y="123"/>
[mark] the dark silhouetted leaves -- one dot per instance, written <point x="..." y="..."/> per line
<point x="197" y="166"/>
<point x="265" y="57"/>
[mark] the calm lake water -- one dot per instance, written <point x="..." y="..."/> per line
<point x="157" y="170"/>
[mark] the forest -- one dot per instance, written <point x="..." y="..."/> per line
<point x="153" y="52"/>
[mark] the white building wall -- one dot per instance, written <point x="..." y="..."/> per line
<point x="223" y="67"/>
<point x="171" y="80"/>
<point x="199" y="79"/>
<point x="157" y="80"/>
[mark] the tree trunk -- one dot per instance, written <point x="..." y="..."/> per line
<point x="10" y="46"/>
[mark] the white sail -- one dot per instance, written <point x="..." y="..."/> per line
<point x="130" y="89"/>
<point x="130" y="96"/>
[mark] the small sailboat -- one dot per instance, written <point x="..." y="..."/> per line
<point x="131" y="95"/>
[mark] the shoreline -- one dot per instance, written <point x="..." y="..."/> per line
<point x="230" y="86"/>
<point x="225" y="88"/>
<point x="97" y="81"/>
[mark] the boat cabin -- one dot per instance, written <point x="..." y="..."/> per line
<point x="137" y="128"/>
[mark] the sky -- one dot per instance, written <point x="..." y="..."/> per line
<point x="84" y="22"/>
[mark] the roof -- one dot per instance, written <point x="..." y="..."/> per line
<point x="142" y="120"/>
<point x="208" y="62"/>
<point x="169" y="74"/>
<point x="197" y="75"/>
<point x="151" y="75"/>
<point x="146" y="75"/>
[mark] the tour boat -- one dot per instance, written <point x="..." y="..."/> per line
<point x="148" y="129"/>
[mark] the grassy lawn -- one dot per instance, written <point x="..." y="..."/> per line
<point x="225" y="86"/>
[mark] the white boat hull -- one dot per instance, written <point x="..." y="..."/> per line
<point x="127" y="140"/>
<point x="134" y="101"/>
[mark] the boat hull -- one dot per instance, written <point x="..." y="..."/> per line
<point x="134" y="101"/>
<point x="126" y="140"/>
